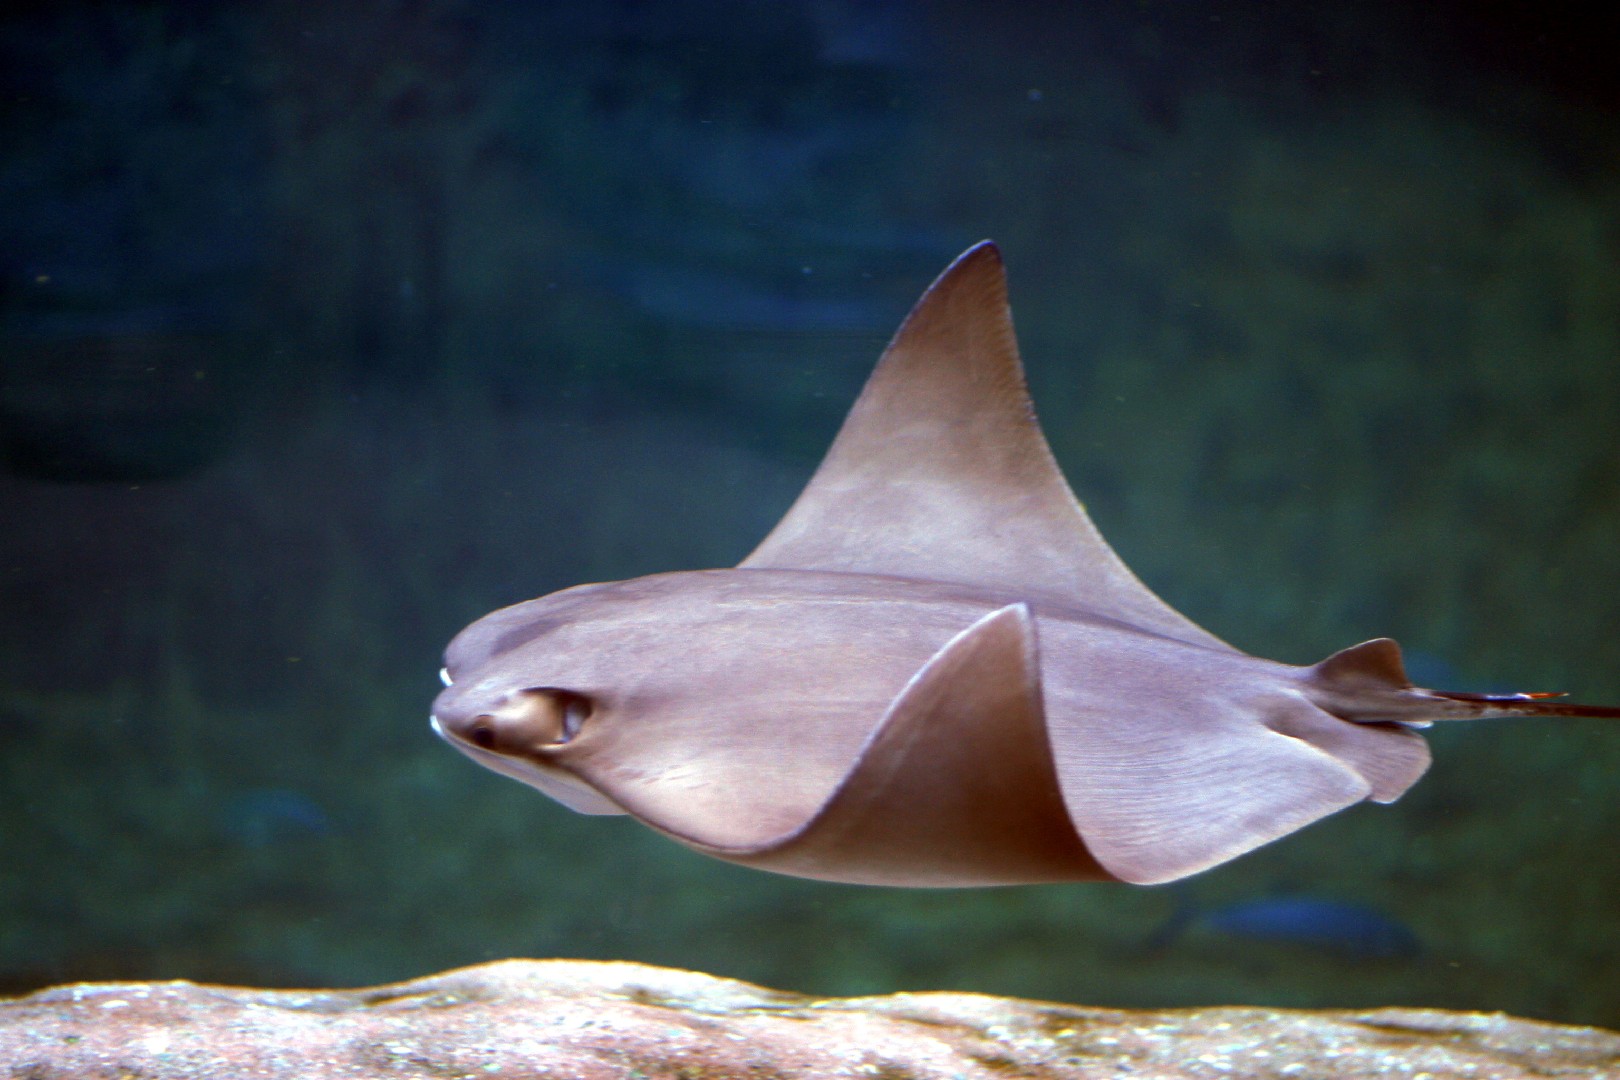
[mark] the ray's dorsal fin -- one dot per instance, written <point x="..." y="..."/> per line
<point x="941" y="471"/>
<point x="1376" y="662"/>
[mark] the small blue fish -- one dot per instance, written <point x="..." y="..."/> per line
<point x="1339" y="927"/>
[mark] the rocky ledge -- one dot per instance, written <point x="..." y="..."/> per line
<point x="594" y="1021"/>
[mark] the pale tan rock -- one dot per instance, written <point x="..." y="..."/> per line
<point x="593" y="1021"/>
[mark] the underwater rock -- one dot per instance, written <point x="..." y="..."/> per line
<point x="589" y="1020"/>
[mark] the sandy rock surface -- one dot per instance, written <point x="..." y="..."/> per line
<point x="594" y="1021"/>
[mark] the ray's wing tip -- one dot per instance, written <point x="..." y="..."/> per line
<point x="977" y="275"/>
<point x="986" y="251"/>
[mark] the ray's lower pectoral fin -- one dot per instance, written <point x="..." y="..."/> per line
<point x="1202" y="801"/>
<point x="956" y="785"/>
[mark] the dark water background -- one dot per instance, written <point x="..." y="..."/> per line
<point x="326" y="328"/>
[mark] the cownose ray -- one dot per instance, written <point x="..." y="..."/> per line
<point x="934" y="671"/>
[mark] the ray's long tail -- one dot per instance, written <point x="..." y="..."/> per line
<point x="1529" y="704"/>
<point x="1367" y="683"/>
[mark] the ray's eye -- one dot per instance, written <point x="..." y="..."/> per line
<point x="572" y="712"/>
<point x="525" y="721"/>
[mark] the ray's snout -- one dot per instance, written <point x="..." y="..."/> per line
<point x="514" y="723"/>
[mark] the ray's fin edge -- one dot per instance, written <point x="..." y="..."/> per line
<point x="955" y="787"/>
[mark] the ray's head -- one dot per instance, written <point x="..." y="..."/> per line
<point x="522" y="728"/>
<point x="495" y="704"/>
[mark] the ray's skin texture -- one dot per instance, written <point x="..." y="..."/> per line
<point x="934" y="671"/>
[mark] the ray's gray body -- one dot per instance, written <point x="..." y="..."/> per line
<point x="934" y="671"/>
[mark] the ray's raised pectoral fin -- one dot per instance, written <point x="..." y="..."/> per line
<point x="941" y="471"/>
<point x="956" y="785"/>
